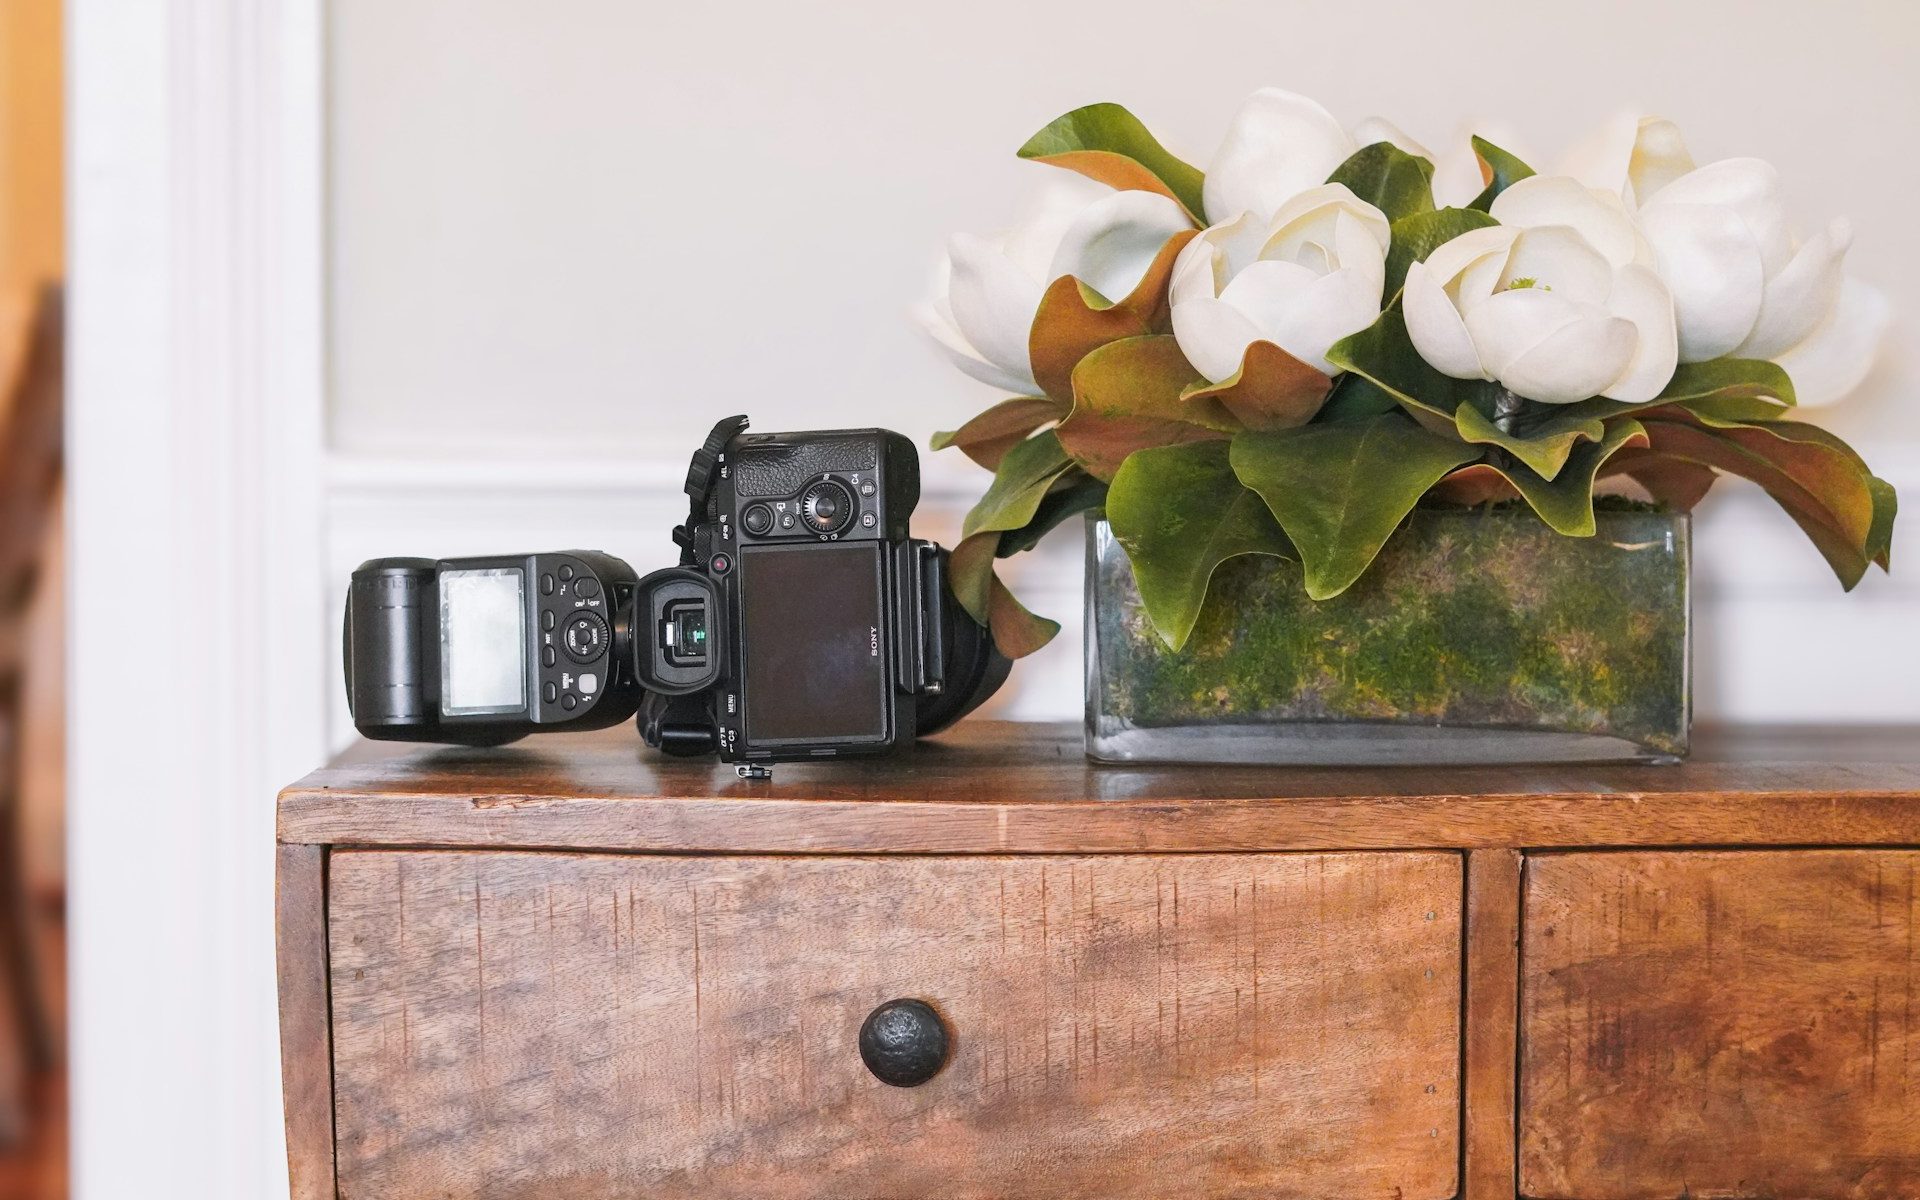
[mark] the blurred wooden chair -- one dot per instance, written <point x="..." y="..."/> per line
<point x="32" y="356"/>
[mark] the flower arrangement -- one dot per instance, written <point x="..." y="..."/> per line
<point x="1285" y="355"/>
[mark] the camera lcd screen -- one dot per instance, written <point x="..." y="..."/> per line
<point x="483" y="642"/>
<point x="815" y="660"/>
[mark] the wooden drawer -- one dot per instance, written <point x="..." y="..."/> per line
<point x="595" y="1026"/>
<point x="1736" y="1024"/>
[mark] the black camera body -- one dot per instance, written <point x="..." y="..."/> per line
<point x="803" y="622"/>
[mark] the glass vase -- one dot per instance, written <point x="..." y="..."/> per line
<point x="1477" y="636"/>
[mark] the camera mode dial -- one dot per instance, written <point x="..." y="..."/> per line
<point x="827" y="506"/>
<point x="585" y="637"/>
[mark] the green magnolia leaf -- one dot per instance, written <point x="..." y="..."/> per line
<point x="970" y="573"/>
<point x="1355" y="398"/>
<point x="1502" y="171"/>
<point x="1181" y="512"/>
<point x="1879" y="548"/>
<point x="987" y="438"/>
<point x="1543" y="446"/>
<point x="1419" y="235"/>
<point x="1128" y="396"/>
<point x="1021" y="482"/>
<point x="1383" y="353"/>
<point x="1073" y="320"/>
<point x="1395" y="182"/>
<point x="1827" y="491"/>
<point x="1073" y="493"/>
<point x="1108" y="143"/>
<point x="1739" y="390"/>
<point x="1565" y="502"/>
<point x="971" y="578"/>
<point x="1340" y="490"/>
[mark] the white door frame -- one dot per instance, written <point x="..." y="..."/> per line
<point x="197" y="675"/>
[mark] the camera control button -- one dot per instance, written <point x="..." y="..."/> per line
<point x="586" y="588"/>
<point x="585" y="637"/>
<point x="866" y="520"/>
<point x="550" y="693"/>
<point x="786" y="522"/>
<point x="569" y="702"/>
<point x="758" y="519"/>
<point x="589" y="683"/>
<point x="827" y="506"/>
<point x="546" y="585"/>
<point x="547" y="620"/>
<point x="546" y="656"/>
<point x="721" y="564"/>
<point x="866" y="489"/>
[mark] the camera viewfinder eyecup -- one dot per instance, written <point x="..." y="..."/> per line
<point x="677" y="647"/>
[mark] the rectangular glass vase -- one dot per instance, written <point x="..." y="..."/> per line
<point x="1477" y="636"/>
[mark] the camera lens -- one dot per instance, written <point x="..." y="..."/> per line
<point x="827" y="506"/>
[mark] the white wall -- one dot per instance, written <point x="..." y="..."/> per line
<point x="561" y="238"/>
<point x="582" y="231"/>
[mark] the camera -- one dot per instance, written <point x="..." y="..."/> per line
<point x="801" y="622"/>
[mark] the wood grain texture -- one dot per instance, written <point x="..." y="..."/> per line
<point x="996" y="788"/>
<point x="306" y="1048"/>
<point x="597" y="1026"/>
<point x="1493" y="985"/>
<point x="1733" y="1024"/>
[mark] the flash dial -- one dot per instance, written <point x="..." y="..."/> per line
<point x="827" y="507"/>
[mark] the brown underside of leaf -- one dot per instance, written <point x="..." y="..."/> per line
<point x="1115" y="170"/>
<point x="987" y="438"/>
<point x="1066" y="328"/>
<point x="1016" y="631"/>
<point x="1674" y="482"/>
<point x="1127" y="397"/>
<point x="1821" y="489"/>
<point x="1473" y="484"/>
<point x="1272" y="390"/>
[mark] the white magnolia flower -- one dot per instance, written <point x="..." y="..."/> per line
<point x="1558" y="303"/>
<point x="1304" y="279"/>
<point x="1278" y="145"/>
<point x="1742" y="283"/>
<point x="987" y="289"/>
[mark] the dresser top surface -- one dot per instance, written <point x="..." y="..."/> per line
<point x="1004" y="787"/>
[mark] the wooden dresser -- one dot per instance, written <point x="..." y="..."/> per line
<point x="568" y="969"/>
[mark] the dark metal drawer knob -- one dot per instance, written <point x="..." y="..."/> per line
<point x="903" y="1042"/>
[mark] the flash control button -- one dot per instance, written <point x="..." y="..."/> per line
<point x="585" y="637"/>
<point x="566" y="573"/>
<point x="569" y="702"/>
